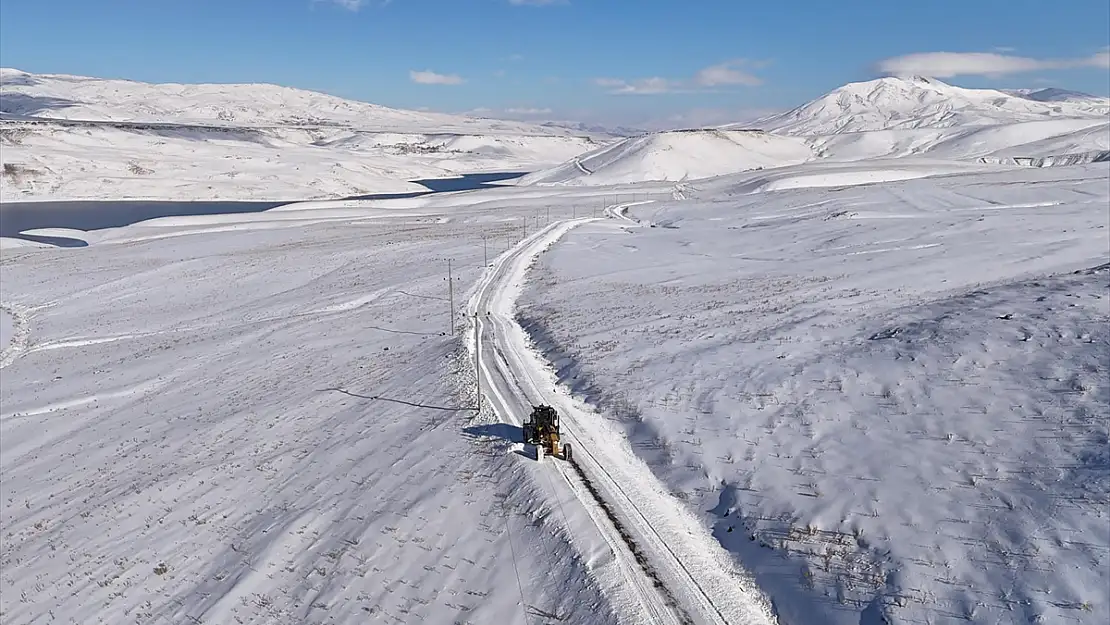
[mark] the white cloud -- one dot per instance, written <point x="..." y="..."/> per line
<point x="509" y="113"/>
<point x="624" y="119"/>
<point x="1101" y="59"/>
<point x="728" y="73"/>
<point x="991" y="64"/>
<point x="428" y="77"/>
<point x="643" y="85"/>
<point x="350" y="5"/>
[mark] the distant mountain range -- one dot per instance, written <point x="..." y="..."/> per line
<point x="918" y="102"/>
<point x="56" y="96"/>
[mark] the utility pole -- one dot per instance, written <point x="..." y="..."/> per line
<point x="451" y="296"/>
<point x="477" y="360"/>
<point x="485" y="254"/>
<point x="525" y="227"/>
<point x="548" y="214"/>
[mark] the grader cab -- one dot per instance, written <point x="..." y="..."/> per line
<point x="541" y="429"/>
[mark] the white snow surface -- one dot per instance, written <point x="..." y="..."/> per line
<point x="888" y="401"/>
<point x="113" y="139"/>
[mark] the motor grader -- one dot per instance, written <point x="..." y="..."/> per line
<point x="541" y="429"/>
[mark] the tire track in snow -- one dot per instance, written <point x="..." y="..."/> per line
<point x="675" y="569"/>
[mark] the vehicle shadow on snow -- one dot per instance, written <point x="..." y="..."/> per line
<point x="503" y="431"/>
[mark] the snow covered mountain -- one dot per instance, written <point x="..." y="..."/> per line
<point x="879" y="119"/>
<point x="55" y="96"/>
<point x="73" y="137"/>
<point x="1054" y="94"/>
<point x="913" y="103"/>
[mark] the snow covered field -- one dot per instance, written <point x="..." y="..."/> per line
<point x="887" y="399"/>
<point x="263" y="425"/>
<point x="295" y="441"/>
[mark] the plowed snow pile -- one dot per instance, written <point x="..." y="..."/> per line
<point x="889" y="402"/>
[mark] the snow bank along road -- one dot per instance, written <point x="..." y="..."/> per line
<point x="670" y="569"/>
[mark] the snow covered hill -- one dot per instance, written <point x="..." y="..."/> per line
<point x="675" y="156"/>
<point x="72" y="137"/>
<point x="911" y="103"/>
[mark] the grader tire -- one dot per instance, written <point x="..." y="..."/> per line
<point x="566" y="453"/>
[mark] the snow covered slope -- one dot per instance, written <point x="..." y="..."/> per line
<point x="674" y="156"/>
<point x="909" y="103"/>
<point x="70" y="137"/>
<point x="1036" y="139"/>
<point x="888" y="401"/>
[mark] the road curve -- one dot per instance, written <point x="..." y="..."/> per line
<point x="671" y="569"/>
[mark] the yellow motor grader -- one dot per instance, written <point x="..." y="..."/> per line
<point x="541" y="429"/>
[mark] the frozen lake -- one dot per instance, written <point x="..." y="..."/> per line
<point x="19" y="217"/>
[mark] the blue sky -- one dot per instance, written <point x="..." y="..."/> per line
<point x="614" y="61"/>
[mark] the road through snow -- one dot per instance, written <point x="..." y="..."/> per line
<point x="669" y="570"/>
